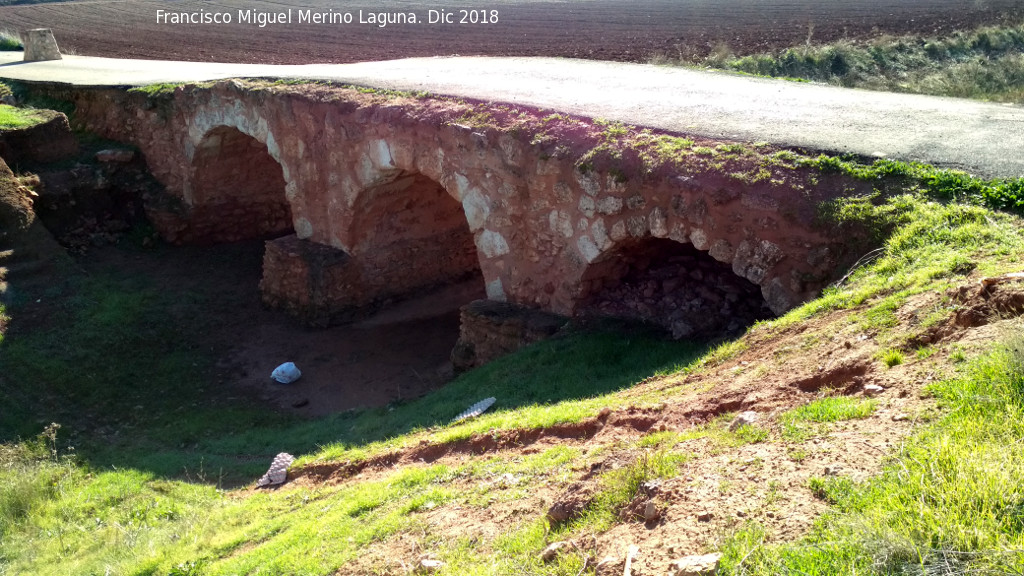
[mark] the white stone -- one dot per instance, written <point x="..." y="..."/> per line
<point x="492" y="244"/>
<point x="303" y="228"/>
<point x="382" y="157"/>
<point x="587" y="206"/>
<point x="589" y="183"/>
<point x="600" y="234"/>
<point x="588" y="249"/>
<point x="477" y="209"/>
<point x="495" y="291"/>
<point x="461" y="186"/>
<point x="706" y="565"/>
<point x="748" y="418"/>
<point x="618" y="231"/>
<point x="699" y="239"/>
<point x="721" y="250"/>
<point x="658" y="222"/>
<point x="678" y="233"/>
<point x="609" y="205"/>
<point x="560" y="223"/>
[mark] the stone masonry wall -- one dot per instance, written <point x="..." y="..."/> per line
<point x="489" y="330"/>
<point x="539" y="216"/>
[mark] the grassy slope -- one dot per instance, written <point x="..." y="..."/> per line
<point x="987" y="63"/>
<point x="65" y="518"/>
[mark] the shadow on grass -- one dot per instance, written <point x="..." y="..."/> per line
<point x="126" y="366"/>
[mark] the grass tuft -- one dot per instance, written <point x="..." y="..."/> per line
<point x="10" y="41"/>
<point x="620" y="486"/>
<point x="804" y="422"/>
<point x="892" y="358"/>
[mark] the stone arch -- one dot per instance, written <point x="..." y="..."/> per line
<point x="238" y="189"/>
<point x="672" y="285"/>
<point x="410" y="233"/>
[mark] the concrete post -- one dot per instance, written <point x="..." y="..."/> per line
<point x="41" y="45"/>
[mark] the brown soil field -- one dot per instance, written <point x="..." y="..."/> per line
<point x="597" y="29"/>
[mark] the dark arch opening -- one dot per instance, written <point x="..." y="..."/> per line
<point x="673" y="286"/>
<point x="238" y="189"/>
<point x="413" y="235"/>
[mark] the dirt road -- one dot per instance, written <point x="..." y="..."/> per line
<point x="981" y="138"/>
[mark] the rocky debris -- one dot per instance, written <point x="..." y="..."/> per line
<point x="705" y="516"/>
<point x="873" y="389"/>
<point x="571" y="503"/>
<point x="999" y="297"/>
<point x="748" y="418"/>
<point x="89" y="205"/>
<point x="677" y="287"/>
<point x="115" y="155"/>
<point x="651" y="513"/>
<point x="555" y="549"/>
<point x="609" y="566"/>
<point x="643" y="507"/>
<point x="706" y="565"/>
<point x="278" y="472"/>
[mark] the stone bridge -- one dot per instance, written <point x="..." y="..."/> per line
<point x="372" y="197"/>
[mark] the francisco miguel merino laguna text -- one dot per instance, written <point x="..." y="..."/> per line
<point x="298" y="16"/>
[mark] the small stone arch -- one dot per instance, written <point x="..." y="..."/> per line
<point x="238" y="189"/>
<point x="672" y="285"/>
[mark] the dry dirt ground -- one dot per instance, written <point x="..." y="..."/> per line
<point x="594" y="29"/>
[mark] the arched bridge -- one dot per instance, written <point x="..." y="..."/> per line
<point x="371" y="197"/>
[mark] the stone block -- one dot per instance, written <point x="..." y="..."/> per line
<point x="490" y="330"/>
<point x="40" y="45"/>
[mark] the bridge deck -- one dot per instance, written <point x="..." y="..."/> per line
<point x="981" y="138"/>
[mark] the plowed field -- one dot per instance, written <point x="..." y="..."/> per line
<point x="599" y="29"/>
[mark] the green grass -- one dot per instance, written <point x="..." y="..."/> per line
<point x="986" y="63"/>
<point x="952" y="499"/>
<point x="9" y="41"/>
<point x="11" y="117"/>
<point x="925" y="245"/>
<point x="145" y="491"/>
<point x="619" y="486"/>
<point x="892" y="358"/>
<point x="805" y="422"/>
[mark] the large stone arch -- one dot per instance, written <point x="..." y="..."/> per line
<point x="409" y="234"/>
<point x="238" y="189"/>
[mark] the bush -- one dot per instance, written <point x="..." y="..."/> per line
<point x="10" y="41"/>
